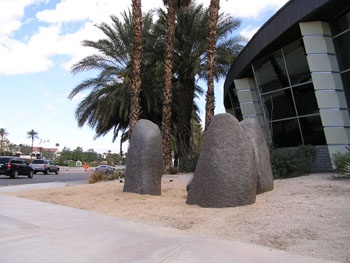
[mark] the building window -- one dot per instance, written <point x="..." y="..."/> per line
<point x="234" y="102"/>
<point x="341" y="38"/>
<point x="288" y="97"/>
<point x="270" y="73"/>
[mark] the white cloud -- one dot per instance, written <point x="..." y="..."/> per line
<point x="11" y="12"/>
<point x="66" y="11"/>
<point x="250" y="8"/>
<point x="248" y="32"/>
<point x="22" y="113"/>
<point x="37" y="52"/>
<point x="48" y="107"/>
<point x="18" y="57"/>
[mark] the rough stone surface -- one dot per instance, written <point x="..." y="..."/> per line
<point x="254" y="132"/>
<point x="225" y="175"/>
<point x="144" y="163"/>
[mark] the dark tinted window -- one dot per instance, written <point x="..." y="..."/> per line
<point x="38" y="161"/>
<point x="271" y="73"/>
<point x="305" y="99"/>
<point x="312" y="130"/>
<point x="342" y="46"/>
<point x="4" y="160"/>
<point x="279" y="104"/>
<point x="341" y="23"/>
<point x="298" y="68"/>
<point x="286" y="133"/>
<point x="288" y="97"/>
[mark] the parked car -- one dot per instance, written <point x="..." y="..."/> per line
<point x="15" y="166"/>
<point x="45" y="166"/>
<point x="105" y="169"/>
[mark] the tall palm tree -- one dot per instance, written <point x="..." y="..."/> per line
<point x="190" y="63"/>
<point x="137" y="56"/>
<point x="210" y="98"/>
<point x="32" y="135"/>
<point x="172" y="6"/>
<point x="3" y="134"/>
<point x="107" y="107"/>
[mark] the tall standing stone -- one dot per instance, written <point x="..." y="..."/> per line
<point x="225" y="175"/>
<point x="144" y="162"/>
<point x="254" y="132"/>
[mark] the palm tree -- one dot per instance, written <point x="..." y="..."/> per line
<point x="3" y="134"/>
<point x="32" y="135"/>
<point x="172" y="6"/>
<point x="190" y="63"/>
<point x="137" y="56"/>
<point x="210" y="98"/>
<point x="108" y="105"/>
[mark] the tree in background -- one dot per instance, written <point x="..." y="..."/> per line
<point x="107" y="106"/>
<point x="172" y="7"/>
<point x="32" y="135"/>
<point x="136" y="69"/>
<point x="210" y="98"/>
<point x="190" y="65"/>
<point x="3" y="134"/>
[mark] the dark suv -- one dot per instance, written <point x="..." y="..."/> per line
<point x="15" y="166"/>
<point x="45" y="166"/>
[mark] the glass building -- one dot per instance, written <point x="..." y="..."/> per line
<point x="294" y="77"/>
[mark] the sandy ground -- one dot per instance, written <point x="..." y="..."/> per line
<point x="308" y="215"/>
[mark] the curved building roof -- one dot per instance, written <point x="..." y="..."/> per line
<point x="281" y="29"/>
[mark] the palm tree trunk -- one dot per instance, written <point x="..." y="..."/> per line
<point x="167" y="91"/>
<point x="210" y="98"/>
<point x="31" y="154"/>
<point x="137" y="56"/>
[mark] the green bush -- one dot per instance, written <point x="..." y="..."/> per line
<point x="342" y="163"/>
<point x="292" y="162"/>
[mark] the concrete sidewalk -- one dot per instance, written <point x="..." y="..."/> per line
<point x="35" y="232"/>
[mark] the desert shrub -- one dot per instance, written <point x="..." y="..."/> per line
<point x="292" y="162"/>
<point x="100" y="176"/>
<point x="346" y="170"/>
<point x="342" y="163"/>
<point x="96" y="177"/>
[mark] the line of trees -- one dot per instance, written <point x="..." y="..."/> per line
<point x="157" y="79"/>
<point x="65" y="157"/>
<point x="69" y="157"/>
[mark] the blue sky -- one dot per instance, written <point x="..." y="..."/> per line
<point x="40" y="41"/>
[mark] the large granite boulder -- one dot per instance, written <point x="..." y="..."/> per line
<point x="254" y="132"/>
<point x="144" y="163"/>
<point x="225" y="175"/>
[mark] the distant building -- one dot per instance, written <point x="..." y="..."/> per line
<point x="40" y="152"/>
<point x="294" y="77"/>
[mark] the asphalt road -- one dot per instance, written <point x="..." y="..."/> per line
<point x="65" y="175"/>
